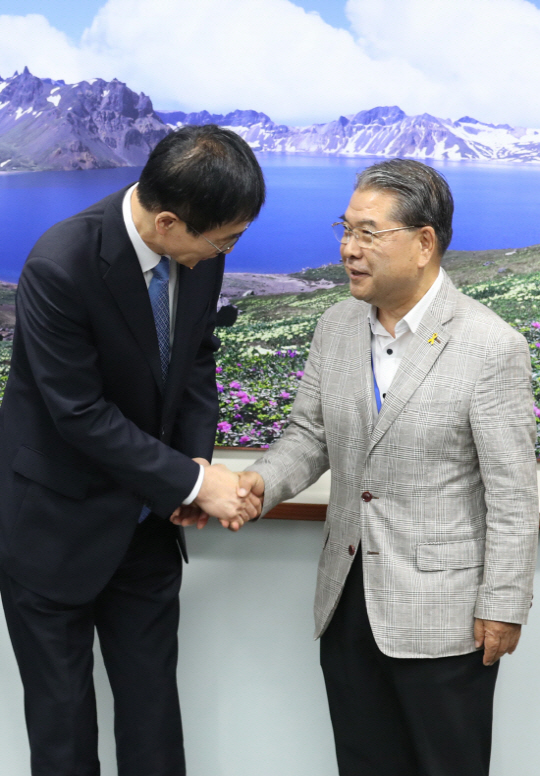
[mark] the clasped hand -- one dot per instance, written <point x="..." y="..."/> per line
<point x="232" y="498"/>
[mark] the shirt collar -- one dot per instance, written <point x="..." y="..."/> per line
<point x="148" y="259"/>
<point x="412" y="320"/>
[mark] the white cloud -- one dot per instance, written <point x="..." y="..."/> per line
<point x="31" y="40"/>
<point x="480" y="57"/>
<point x="268" y="55"/>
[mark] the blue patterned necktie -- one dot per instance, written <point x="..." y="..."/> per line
<point x="159" y="299"/>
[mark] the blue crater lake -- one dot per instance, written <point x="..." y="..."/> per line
<point x="497" y="206"/>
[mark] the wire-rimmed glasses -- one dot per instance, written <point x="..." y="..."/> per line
<point x="225" y="248"/>
<point x="364" y="237"/>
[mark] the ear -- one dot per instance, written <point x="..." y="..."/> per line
<point x="428" y="245"/>
<point x="165" y="221"/>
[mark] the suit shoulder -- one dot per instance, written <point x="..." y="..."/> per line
<point x="345" y="312"/>
<point x="69" y="243"/>
<point x="487" y="323"/>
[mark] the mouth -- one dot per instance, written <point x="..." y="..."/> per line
<point x="357" y="274"/>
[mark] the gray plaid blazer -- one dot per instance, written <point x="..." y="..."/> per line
<point x="451" y="530"/>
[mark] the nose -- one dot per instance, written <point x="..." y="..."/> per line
<point x="350" y="251"/>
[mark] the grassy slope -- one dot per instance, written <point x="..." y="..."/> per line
<point x="264" y="352"/>
<point x="510" y="285"/>
<point x="7" y="295"/>
<point x="265" y="349"/>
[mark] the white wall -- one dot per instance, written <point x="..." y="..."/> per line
<point x="251" y="688"/>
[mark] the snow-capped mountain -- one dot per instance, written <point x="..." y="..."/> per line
<point x="383" y="131"/>
<point x="50" y="125"/>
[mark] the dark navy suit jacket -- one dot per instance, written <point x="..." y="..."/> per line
<point x="87" y="433"/>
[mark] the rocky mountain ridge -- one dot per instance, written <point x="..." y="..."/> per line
<point x="383" y="131"/>
<point x="50" y="125"/>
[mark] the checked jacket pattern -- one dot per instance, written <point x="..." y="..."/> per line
<point x="451" y="531"/>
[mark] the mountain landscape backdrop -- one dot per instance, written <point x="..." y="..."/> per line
<point x="51" y="125"/>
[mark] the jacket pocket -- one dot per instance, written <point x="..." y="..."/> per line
<point x="56" y="475"/>
<point x="439" y="556"/>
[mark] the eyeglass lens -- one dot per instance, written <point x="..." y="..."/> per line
<point x="343" y="235"/>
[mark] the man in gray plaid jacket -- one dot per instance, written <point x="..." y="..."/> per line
<point x="418" y="399"/>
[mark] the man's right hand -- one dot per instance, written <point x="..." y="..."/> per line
<point x="221" y="496"/>
<point x="250" y="487"/>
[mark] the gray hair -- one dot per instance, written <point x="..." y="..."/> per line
<point x="423" y="197"/>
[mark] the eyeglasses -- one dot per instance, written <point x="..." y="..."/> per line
<point x="363" y="237"/>
<point x="225" y="248"/>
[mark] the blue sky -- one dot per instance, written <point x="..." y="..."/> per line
<point x="73" y="16"/>
<point x="446" y="57"/>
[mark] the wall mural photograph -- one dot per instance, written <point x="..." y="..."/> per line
<point x="322" y="91"/>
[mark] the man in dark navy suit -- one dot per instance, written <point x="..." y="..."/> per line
<point x="110" y="398"/>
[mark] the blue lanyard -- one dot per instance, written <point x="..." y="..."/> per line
<point x="376" y="387"/>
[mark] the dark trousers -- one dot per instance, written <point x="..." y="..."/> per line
<point x="136" y="618"/>
<point x="402" y="717"/>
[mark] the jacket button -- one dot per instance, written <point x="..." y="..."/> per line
<point x="352" y="549"/>
<point x="366" y="496"/>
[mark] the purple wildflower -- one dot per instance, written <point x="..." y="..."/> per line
<point x="284" y="395"/>
<point x="535" y="325"/>
<point x="219" y="388"/>
<point x="299" y="375"/>
<point x="224" y="426"/>
<point x="265" y="446"/>
<point x="219" y="369"/>
<point x="234" y="385"/>
<point x="244" y="440"/>
<point x="537" y="344"/>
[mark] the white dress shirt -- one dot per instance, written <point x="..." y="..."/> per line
<point x="148" y="261"/>
<point x="387" y="351"/>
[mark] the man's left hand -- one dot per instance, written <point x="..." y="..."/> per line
<point x="189" y="515"/>
<point x="497" y="638"/>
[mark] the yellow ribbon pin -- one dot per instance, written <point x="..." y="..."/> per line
<point x="435" y="338"/>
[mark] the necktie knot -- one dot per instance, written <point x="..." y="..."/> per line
<point x="161" y="271"/>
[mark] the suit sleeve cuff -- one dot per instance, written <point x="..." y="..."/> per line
<point x="196" y="488"/>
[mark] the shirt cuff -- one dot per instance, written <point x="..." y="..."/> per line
<point x="196" y="488"/>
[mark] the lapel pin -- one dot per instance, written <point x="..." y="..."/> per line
<point x="435" y="338"/>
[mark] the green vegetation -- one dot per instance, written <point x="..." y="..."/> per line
<point x="5" y="358"/>
<point x="7" y="294"/>
<point x="516" y="298"/>
<point x="262" y="357"/>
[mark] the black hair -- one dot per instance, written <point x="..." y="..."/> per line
<point x="423" y="197"/>
<point x="206" y="175"/>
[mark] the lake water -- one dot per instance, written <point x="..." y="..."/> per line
<point x="497" y="206"/>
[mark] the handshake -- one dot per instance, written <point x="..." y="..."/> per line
<point x="233" y="498"/>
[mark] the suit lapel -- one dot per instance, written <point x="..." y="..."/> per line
<point x="422" y="354"/>
<point x="126" y="283"/>
<point x="192" y="287"/>
<point x="361" y="370"/>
